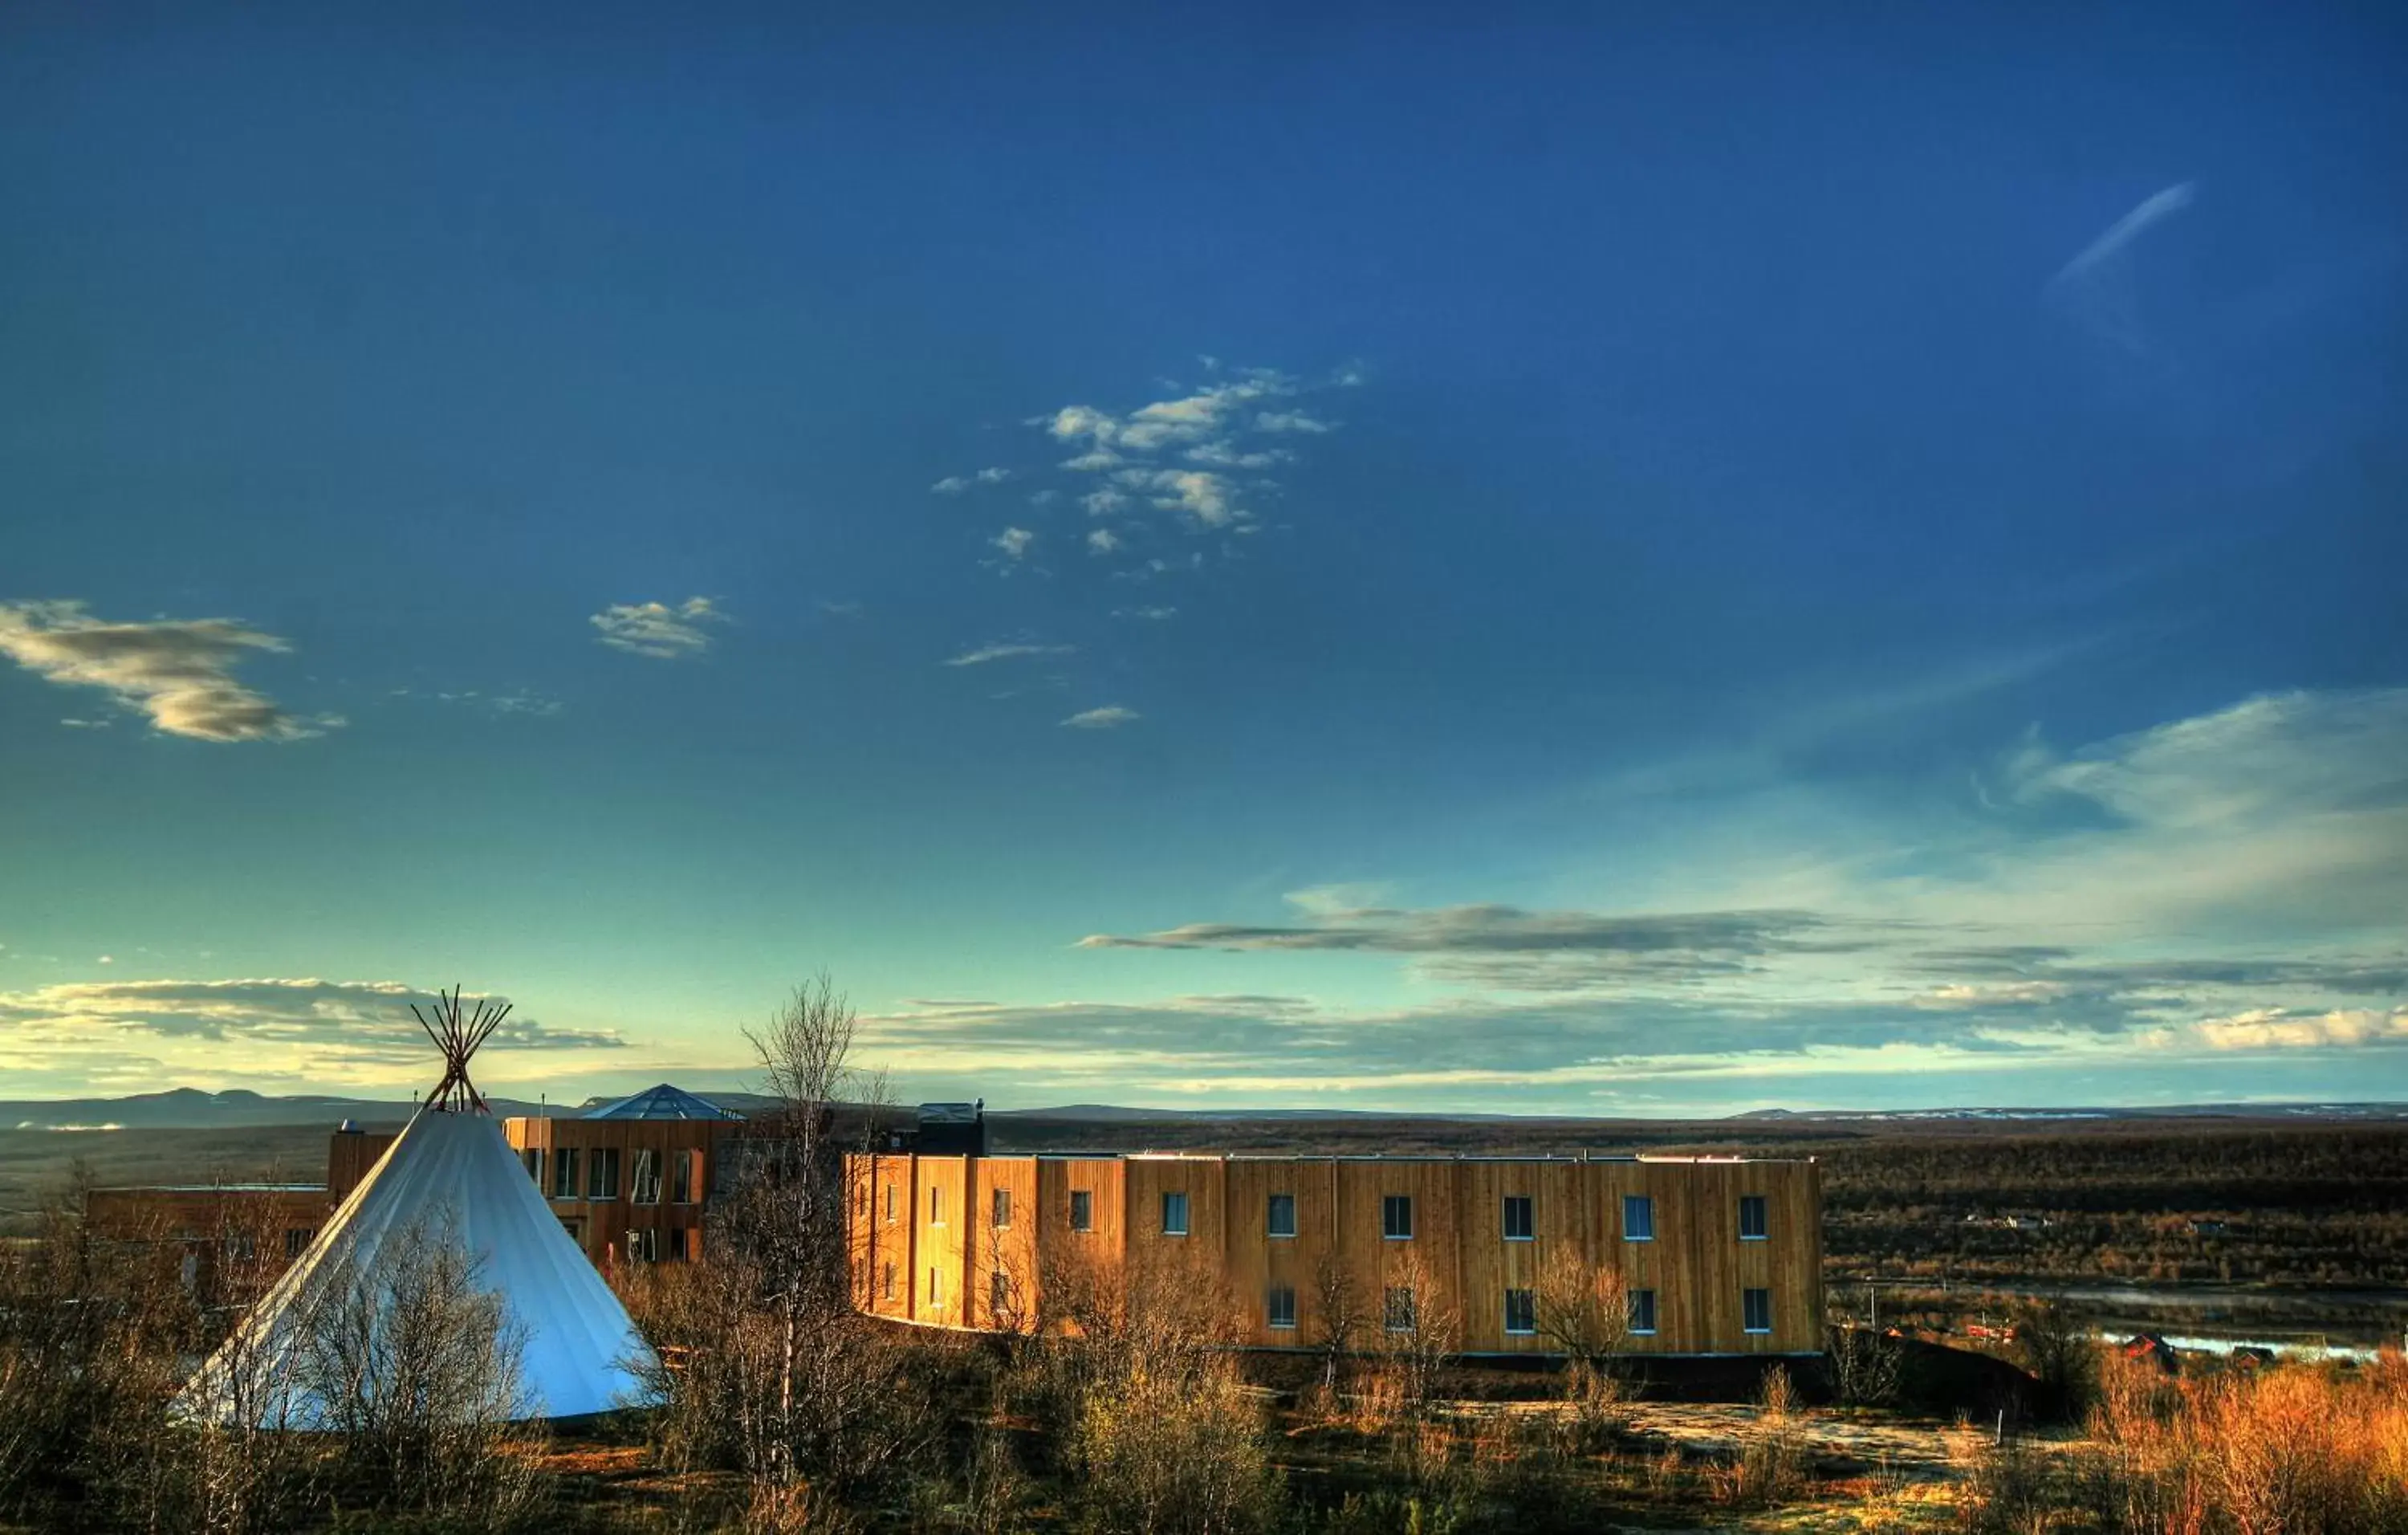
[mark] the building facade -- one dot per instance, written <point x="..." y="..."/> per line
<point x="629" y="1182"/>
<point x="1716" y="1256"/>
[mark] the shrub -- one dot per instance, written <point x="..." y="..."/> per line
<point x="1769" y="1464"/>
<point x="2290" y="1449"/>
<point x="1173" y="1451"/>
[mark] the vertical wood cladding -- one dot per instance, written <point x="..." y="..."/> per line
<point x="648" y="1197"/>
<point x="1450" y="1244"/>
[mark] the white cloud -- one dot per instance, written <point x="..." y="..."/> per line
<point x="1110" y="717"/>
<point x="1102" y="540"/>
<point x="2285" y="1028"/>
<point x="1094" y="461"/>
<point x="664" y="631"/>
<point x="985" y="653"/>
<point x="1201" y="495"/>
<point x="178" y="672"/>
<point x="1288" y="420"/>
<point x="1044" y="498"/>
<point x="953" y="485"/>
<point x="1152" y="614"/>
<point x="1014" y="541"/>
<point x="1224" y="455"/>
<point x="1073" y="422"/>
<point x="1103" y="503"/>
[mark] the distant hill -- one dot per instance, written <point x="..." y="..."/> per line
<point x="2173" y="1111"/>
<point x="187" y="1108"/>
<point x="190" y="1108"/>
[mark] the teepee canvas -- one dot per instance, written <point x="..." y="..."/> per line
<point x="449" y="1177"/>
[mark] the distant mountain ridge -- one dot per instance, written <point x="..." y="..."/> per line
<point x="189" y="1107"/>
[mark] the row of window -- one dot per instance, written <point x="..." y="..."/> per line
<point x="1395" y="1214"/>
<point x="1399" y="1310"/>
<point x="599" y="1169"/>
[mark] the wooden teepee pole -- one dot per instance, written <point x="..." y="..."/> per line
<point x="458" y="1040"/>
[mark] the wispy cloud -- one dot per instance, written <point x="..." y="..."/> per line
<point x="2130" y="899"/>
<point x="1005" y="652"/>
<point x="1102" y="540"/>
<point x="1014" y="541"/>
<point x="518" y="701"/>
<point x="1487" y="928"/>
<point x="2096" y="285"/>
<point x="664" y="631"/>
<point x="2154" y="209"/>
<point x="1226" y="456"/>
<point x="1154" y="615"/>
<point x="179" y="673"/>
<point x="348" y="1032"/>
<point x="1110" y="717"/>
<point x="954" y="484"/>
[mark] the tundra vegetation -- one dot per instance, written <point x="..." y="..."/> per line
<point x="1112" y="1401"/>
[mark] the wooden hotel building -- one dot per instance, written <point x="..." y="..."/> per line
<point x="1716" y="1256"/>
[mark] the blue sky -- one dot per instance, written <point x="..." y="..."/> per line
<point x="1528" y="561"/>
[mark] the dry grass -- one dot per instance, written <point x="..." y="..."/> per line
<point x="2301" y="1450"/>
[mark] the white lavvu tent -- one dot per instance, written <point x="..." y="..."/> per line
<point x="449" y="1177"/>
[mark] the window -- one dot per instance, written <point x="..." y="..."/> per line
<point x="890" y="1204"/>
<point x="936" y="1287"/>
<point x="998" y="1294"/>
<point x="1520" y="1226"/>
<point x="1001" y="1215"/>
<point x="1279" y="1307"/>
<point x="1637" y="1218"/>
<point x="936" y="1207"/>
<point x="1082" y="1211"/>
<point x="575" y="1226"/>
<point x="680" y="1244"/>
<point x="242" y="1244"/>
<point x="1396" y="1217"/>
<point x="646" y="1189"/>
<point x="1282" y="1222"/>
<point x="643" y="1245"/>
<point x="1174" y="1214"/>
<point x="563" y="1173"/>
<point x="682" y="1179"/>
<point x="1751" y="1217"/>
<point x="602" y="1173"/>
<point x="296" y="1241"/>
<point x="1521" y="1312"/>
<point x="531" y="1159"/>
<point x="886" y="1289"/>
<point x="1397" y="1312"/>
<point x="1756" y="1309"/>
<point x="1643" y="1313"/>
